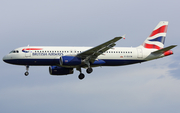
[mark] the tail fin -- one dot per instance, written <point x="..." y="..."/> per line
<point x="157" y="37"/>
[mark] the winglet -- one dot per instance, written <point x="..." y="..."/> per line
<point x="123" y="36"/>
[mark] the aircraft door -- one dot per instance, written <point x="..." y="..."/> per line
<point x="139" y="53"/>
<point x="28" y="54"/>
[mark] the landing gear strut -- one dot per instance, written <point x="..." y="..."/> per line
<point x="81" y="75"/>
<point x="89" y="69"/>
<point x="27" y="68"/>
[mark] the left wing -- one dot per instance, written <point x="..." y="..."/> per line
<point x="93" y="53"/>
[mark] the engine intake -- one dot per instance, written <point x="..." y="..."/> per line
<point x="56" y="70"/>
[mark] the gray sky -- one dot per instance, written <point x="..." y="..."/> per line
<point x="150" y="87"/>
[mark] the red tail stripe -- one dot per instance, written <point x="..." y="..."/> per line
<point x="162" y="29"/>
<point x="151" y="46"/>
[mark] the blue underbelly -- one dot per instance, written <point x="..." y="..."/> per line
<point x="109" y="62"/>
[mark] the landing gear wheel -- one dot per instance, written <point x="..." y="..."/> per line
<point x="26" y="73"/>
<point x="81" y="76"/>
<point x="89" y="70"/>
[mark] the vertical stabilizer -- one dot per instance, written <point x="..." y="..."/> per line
<point x="157" y="38"/>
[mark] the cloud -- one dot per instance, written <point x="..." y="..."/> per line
<point x="175" y="65"/>
<point x="108" y="89"/>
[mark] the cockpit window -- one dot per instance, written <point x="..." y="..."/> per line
<point x="14" y="51"/>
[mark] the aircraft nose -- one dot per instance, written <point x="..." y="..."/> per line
<point x="5" y="58"/>
<point x="9" y="59"/>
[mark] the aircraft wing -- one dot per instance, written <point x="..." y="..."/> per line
<point x="94" y="52"/>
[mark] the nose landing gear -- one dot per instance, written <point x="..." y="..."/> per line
<point x="26" y="73"/>
<point x="27" y="68"/>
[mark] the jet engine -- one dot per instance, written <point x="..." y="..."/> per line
<point x="56" y="70"/>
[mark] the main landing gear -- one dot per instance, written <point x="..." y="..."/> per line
<point x="27" y="68"/>
<point x="89" y="70"/>
<point x="81" y="75"/>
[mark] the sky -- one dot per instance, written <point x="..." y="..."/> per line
<point x="150" y="87"/>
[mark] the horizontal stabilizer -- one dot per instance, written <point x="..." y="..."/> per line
<point x="163" y="50"/>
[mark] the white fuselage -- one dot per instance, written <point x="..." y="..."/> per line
<point x="47" y="56"/>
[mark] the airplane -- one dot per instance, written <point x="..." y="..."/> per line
<point x="63" y="60"/>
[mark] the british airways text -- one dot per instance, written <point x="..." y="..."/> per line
<point x="47" y="54"/>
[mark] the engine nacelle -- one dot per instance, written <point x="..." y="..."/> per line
<point x="56" y="70"/>
<point x="70" y="61"/>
